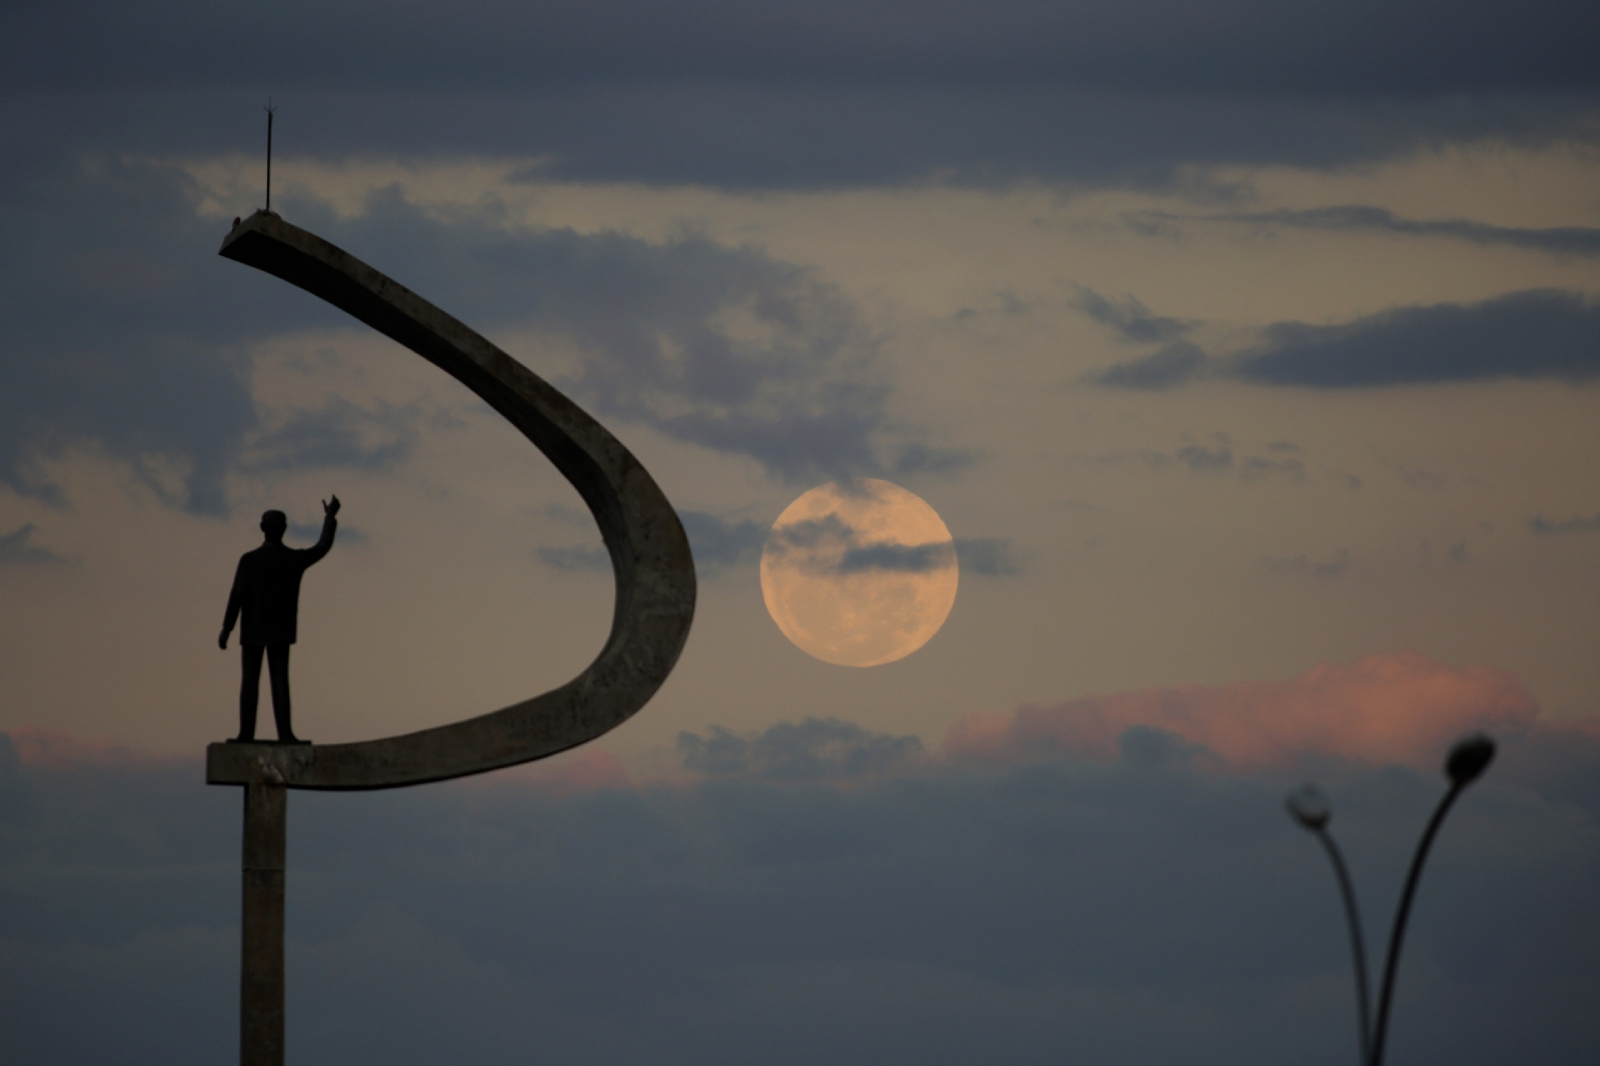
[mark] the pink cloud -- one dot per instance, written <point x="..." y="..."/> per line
<point x="53" y="749"/>
<point x="1394" y="707"/>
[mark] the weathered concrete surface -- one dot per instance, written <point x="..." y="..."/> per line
<point x="261" y="988"/>
<point x="655" y="580"/>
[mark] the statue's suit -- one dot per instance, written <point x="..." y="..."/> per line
<point x="266" y="589"/>
<point x="266" y="595"/>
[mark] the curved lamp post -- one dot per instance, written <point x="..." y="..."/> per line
<point x="1467" y="760"/>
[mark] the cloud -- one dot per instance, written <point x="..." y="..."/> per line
<point x="1175" y="364"/>
<point x="898" y="558"/>
<point x="339" y="434"/>
<point x="1426" y="480"/>
<point x="1141" y="909"/>
<point x="720" y="545"/>
<point x="118" y="331"/>
<point x="830" y="545"/>
<point x="1334" y="566"/>
<point x="1132" y="320"/>
<point x="837" y="94"/>
<point x="15" y="549"/>
<point x="917" y="458"/>
<point x="1201" y="459"/>
<point x="988" y="556"/>
<point x="1576" y="524"/>
<point x="1245" y="47"/>
<point x="816" y="749"/>
<point x="1398" y="707"/>
<point x="724" y="348"/>
<point x="55" y="749"/>
<point x="1216" y="456"/>
<point x="124" y="332"/>
<point x="1537" y="333"/>
<point x="1177" y="360"/>
<point x="1558" y="240"/>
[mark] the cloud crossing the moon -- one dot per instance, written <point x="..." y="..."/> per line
<point x="859" y="573"/>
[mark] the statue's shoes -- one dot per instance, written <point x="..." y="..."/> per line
<point x="241" y="740"/>
<point x="290" y="742"/>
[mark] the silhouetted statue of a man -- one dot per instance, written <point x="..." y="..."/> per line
<point x="266" y="591"/>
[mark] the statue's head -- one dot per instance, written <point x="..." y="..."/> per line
<point x="273" y="524"/>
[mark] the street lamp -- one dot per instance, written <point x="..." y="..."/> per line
<point x="1467" y="760"/>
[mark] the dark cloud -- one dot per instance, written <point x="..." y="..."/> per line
<point x="123" y="330"/>
<point x="1242" y="47"/>
<point x="816" y="749"/>
<point x="1560" y="240"/>
<point x="1537" y="333"/>
<point x="829" y="545"/>
<point x="719" y="545"/>
<point x="988" y="556"/>
<point x="725" y="348"/>
<point x="1141" y="909"/>
<point x="734" y="95"/>
<point x="811" y="533"/>
<point x="118" y="330"/>
<point x="1575" y="524"/>
<point x="1175" y="364"/>
<point x="835" y="547"/>
<point x="1130" y="318"/>
<point x="1334" y="566"/>
<point x="898" y="558"/>
<point x="15" y="549"/>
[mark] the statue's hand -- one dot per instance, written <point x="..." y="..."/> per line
<point x="222" y="641"/>
<point x="330" y="507"/>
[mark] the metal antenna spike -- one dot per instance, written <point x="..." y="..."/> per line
<point x="270" y="112"/>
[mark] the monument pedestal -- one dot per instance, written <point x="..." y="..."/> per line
<point x="261" y="949"/>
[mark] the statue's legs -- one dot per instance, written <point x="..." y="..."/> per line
<point x="278" y="673"/>
<point x="261" y="986"/>
<point x="249" y="689"/>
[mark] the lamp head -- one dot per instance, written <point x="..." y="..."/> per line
<point x="1308" y="806"/>
<point x="1468" y="759"/>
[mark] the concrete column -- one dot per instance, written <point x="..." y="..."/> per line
<point x="261" y="957"/>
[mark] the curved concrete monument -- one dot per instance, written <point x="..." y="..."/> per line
<point x="655" y="594"/>
<point x="655" y="581"/>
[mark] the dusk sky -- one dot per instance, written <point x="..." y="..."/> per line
<point x="1249" y="352"/>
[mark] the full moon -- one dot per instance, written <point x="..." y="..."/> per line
<point x="859" y="573"/>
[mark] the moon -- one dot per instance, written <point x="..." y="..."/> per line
<point x="859" y="573"/>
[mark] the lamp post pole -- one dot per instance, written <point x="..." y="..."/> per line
<point x="1467" y="760"/>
